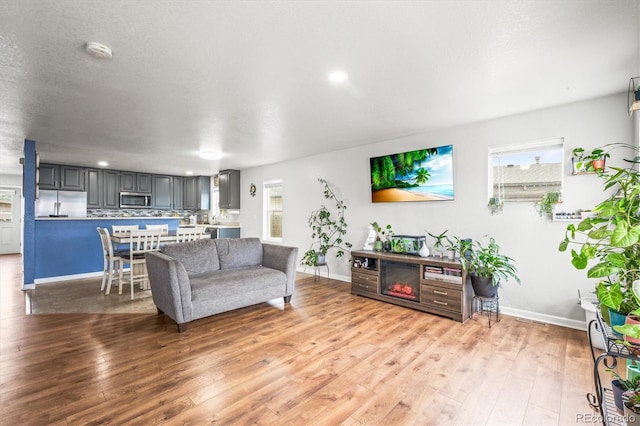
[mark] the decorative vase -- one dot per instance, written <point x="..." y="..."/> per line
<point x="631" y="417"/>
<point x="451" y="254"/>
<point x="386" y="246"/>
<point x="617" y="394"/>
<point x="377" y="246"/>
<point x="597" y="164"/>
<point x="616" y="319"/>
<point x="424" y="250"/>
<point x="483" y="286"/>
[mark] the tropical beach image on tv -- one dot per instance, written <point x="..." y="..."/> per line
<point x="421" y="175"/>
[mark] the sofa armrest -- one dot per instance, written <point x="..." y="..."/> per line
<point x="170" y="286"/>
<point x="282" y="258"/>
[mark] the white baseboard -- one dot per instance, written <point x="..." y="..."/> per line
<point x="66" y="278"/>
<point x="527" y="315"/>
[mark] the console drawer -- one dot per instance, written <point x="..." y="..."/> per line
<point x="364" y="281"/>
<point x="442" y="297"/>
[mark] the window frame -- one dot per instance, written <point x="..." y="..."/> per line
<point x="540" y="145"/>
<point x="266" y="225"/>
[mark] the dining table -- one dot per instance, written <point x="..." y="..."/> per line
<point x="165" y="237"/>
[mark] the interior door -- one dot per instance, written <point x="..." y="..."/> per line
<point x="10" y="220"/>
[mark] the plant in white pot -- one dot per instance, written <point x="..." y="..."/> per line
<point x="487" y="266"/>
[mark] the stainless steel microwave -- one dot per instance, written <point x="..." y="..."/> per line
<point x="134" y="200"/>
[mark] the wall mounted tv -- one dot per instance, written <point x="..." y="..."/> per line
<point x="421" y="175"/>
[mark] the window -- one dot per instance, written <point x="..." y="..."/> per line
<point x="273" y="211"/>
<point x="526" y="172"/>
<point x="6" y="206"/>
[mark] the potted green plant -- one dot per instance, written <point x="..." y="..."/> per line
<point x="487" y="266"/>
<point x="578" y="160"/>
<point x="384" y="235"/>
<point x="438" y="245"/>
<point x="632" y="407"/>
<point x="547" y="204"/>
<point x="328" y="230"/>
<point x="495" y="205"/>
<point x="597" y="160"/>
<point x="451" y="246"/>
<point x="611" y="238"/>
<point x="619" y="386"/>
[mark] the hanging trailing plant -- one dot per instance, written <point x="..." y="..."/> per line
<point x="547" y="203"/>
<point x="327" y="230"/>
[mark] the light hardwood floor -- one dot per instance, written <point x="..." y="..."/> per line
<point x="327" y="358"/>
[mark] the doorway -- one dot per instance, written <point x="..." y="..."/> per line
<point x="10" y="220"/>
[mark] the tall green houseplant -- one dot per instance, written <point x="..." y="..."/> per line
<point x="327" y="229"/>
<point x="611" y="238"/>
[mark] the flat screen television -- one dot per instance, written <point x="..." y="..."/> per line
<point x="421" y="175"/>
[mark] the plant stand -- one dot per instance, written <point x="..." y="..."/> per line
<point x="602" y="401"/>
<point x="316" y="270"/>
<point x="488" y="305"/>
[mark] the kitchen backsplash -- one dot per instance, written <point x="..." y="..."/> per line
<point x="139" y="213"/>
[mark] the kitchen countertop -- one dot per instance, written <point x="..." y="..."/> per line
<point x="110" y="218"/>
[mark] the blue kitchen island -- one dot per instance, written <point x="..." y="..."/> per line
<point x="67" y="248"/>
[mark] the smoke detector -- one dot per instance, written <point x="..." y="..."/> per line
<point x="98" y="50"/>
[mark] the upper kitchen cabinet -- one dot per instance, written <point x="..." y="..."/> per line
<point x="178" y="192"/>
<point x="136" y="182"/>
<point x="102" y="189"/>
<point x="162" y="194"/>
<point x="197" y="193"/>
<point x="229" y="184"/>
<point x="93" y="185"/>
<point x="67" y="178"/>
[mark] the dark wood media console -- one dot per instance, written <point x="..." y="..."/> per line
<point x="441" y="286"/>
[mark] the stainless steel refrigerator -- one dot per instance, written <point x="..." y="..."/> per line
<point x="61" y="204"/>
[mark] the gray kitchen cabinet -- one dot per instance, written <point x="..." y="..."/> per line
<point x="55" y="176"/>
<point x="197" y="193"/>
<point x="111" y="189"/>
<point x="136" y="182"/>
<point x="71" y="178"/>
<point x="93" y="185"/>
<point x="103" y="189"/>
<point x="162" y="193"/>
<point x="229" y="184"/>
<point x="49" y="176"/>
<point x="178" y="192"/>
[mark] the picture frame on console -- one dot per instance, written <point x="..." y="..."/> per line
<point x="413" y="176"/>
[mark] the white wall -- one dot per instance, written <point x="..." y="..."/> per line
<point x="549" y="282"/>
<point x="11" y="180"/>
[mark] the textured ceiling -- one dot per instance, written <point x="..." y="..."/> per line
<point x="249" y="78"/>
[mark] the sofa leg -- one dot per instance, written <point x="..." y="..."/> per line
<point x="287" y="299"/>
<point x="182" y="327"/>
<point x="159" y="311"/>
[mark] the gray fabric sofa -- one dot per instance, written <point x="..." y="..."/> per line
<point x="200" y="278"/>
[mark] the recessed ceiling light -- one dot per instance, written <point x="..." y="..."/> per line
<point x="338" y="76"/>
<point x="210" y="155"/>
<point x="98" y="50"/>
<point x="103" y="163"/>
<point x="189" y="172"/>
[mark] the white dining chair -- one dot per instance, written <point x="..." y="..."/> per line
<point x="189" y="234"/>
<point x="112" y="265"/>
<point x="142" y="242"/>
<point x="163" y="227"/>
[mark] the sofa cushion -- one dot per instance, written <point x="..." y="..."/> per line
<point x="196" y="256"/>
<point x="239" y="252"/>
<point x="229" y="289"/>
